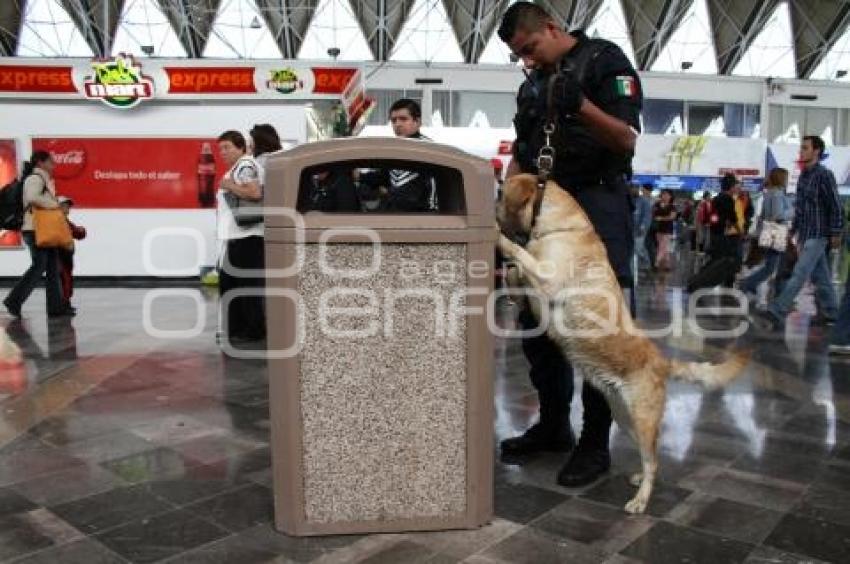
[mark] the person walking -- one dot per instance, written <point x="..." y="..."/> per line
<point x="818" y="223"/>
<point x="39" y="192"/>
<point x="775" y="209"/>
<point x="664" y="214"/>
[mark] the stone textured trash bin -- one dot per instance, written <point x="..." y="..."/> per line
<point x="390" y="429"/>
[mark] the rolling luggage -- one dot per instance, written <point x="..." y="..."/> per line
<point x="715" y="273"/>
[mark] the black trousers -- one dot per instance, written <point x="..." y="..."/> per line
<point x="726" y="246"/>
<point x="44" y="261"/>
<point x="244" y="317"/>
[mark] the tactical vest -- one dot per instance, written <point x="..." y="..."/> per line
<point x="579" y="158"/>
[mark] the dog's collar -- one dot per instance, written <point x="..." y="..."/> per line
<point x="540" y="235"/>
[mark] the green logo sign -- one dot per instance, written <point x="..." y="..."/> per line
<point x="285" y="81"/>
<point x="118" y="82"/>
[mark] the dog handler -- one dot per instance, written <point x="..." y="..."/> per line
<point x="588" y="90"/>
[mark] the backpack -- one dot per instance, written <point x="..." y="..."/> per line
<point x="12" y="205"/>
<point x="706" y="213"/>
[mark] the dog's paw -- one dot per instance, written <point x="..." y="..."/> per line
<point x="636" y="505"/>
<point x="636" y="479"/>
<point x="506" y="246"/>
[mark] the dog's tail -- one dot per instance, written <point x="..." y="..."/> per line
<point x="711" y="375"/>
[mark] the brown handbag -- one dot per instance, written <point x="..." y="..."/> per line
<point x="51" y="228"/>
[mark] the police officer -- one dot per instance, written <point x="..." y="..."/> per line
<point x="594" y="101"/>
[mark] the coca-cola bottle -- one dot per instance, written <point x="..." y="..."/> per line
<point x="206" y="177"/>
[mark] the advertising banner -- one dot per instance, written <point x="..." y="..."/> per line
<point x="135" y="173"/>
<point x="695" y="162"/>
<point x="124" y="81"/>
<point x="8" y="172"/>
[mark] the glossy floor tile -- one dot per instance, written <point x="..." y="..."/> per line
<point x="117" y="446"/>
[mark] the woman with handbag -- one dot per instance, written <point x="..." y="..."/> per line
<point x="43" y="220"/>
<point x="773" y="230"/>
<point x="241" y="229"/>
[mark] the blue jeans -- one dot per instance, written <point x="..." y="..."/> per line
<point x="751" y="283"/>
<point x="812" y="262"/>
<point x="841" y="331"/>
<point x="641" y="250"/>
<point x="44" y="261"/>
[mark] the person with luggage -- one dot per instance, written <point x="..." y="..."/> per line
<point x="723" y="265"/>
<point x="39" y="191"/>
<point x="774" y="210"/>
<point x="818" y="224"/>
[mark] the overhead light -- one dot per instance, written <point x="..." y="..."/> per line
<point x="255" y="23"/>
<point x="334" y="52"/>
<point x="840" y="73"/>
<point x="147" y="49"/>
<point x="686" y="65"/>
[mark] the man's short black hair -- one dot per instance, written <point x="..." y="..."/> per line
<point x="647" y="186"/>
<point x="728" y="182"/>
<point x="234" y="137"/>
<point x="817" y="143"/>
<point x="522" y="15"/>
<point x="411" y="106"/>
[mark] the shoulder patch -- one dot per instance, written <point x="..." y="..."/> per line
<point x="626" y="86"/>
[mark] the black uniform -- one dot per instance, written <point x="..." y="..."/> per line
<point x="597" y="178"/>
<point x="408" y="190"/>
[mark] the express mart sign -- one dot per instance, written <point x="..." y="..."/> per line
<point x="118" y="82"/>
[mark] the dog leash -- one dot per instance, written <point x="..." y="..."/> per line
<point x="546" y="156"/>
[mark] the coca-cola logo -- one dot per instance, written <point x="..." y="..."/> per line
<point x="68" y="155"/>
<point x="69" y="158"/>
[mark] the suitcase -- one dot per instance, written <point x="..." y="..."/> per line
<point x="713" y="274"/>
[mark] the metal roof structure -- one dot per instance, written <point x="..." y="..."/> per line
<point x="817" y="26"/>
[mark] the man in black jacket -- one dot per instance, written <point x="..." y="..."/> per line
<point x="400" y="189"/>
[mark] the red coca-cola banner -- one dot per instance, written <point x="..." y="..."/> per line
<point x="210" y="80"/>
<point x="135" y="173"/>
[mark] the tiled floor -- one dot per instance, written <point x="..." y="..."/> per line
<point x="118" y="446"/>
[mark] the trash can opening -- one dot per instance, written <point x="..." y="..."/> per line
<point x="381" y="186"/>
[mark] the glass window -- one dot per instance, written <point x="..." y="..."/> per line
<point x="334" y="25"/>
<point x="427" y="35"/>
<point x="742" y="120"/>
<point x="822" y="122"/>
<point x="240" y="32"/>
<point x="48" y="31"/>
<point x="691" y="45"/>
<point x="792" y="126"/>
<point x="483" y="109"/>
<point x="664" y="117"/>
<point x="441" y="108"/>
<point x="144" y="25"/>
<point x="772" y="51"/>
<point x="844" y="133"/>
<point x="706" y="118"/>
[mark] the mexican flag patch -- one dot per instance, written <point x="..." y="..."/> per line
<point x="626" y="86"/>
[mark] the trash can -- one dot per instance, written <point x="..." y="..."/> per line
<point x="380" y="358"/>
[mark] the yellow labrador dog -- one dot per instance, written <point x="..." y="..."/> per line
<point x="566" y="265"/>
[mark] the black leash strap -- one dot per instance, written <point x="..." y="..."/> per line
<point x="546" y="156"/>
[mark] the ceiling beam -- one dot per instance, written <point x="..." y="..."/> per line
<point x="288" y="21"/>
<point x="97" y="21"/>
<point x="651" y="25"/>
<point x="817" y="25"/>
<point x="10" y="27"/>
<point x="381" y="22"/>
<point x="192" y="21"/>
<point x="735" y="26"/>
